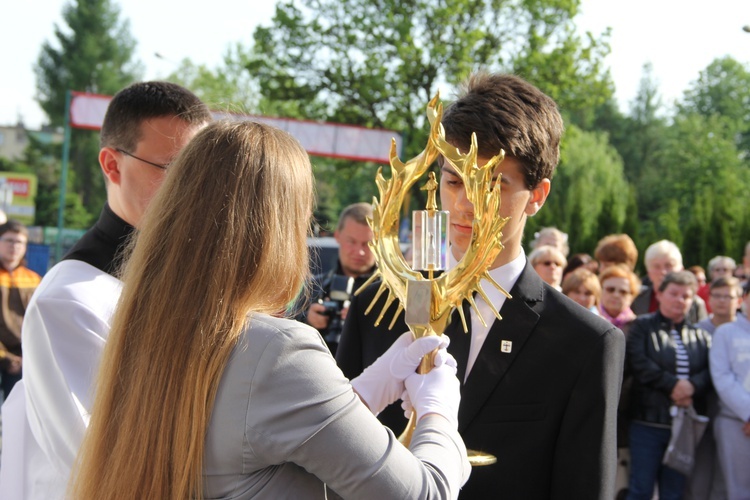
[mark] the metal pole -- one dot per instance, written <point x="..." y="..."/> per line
<point x="63" y="178"/>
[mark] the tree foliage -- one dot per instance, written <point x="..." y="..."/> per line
<point x="43" y="160"/>
<point x="723" y="88"/>
<point x="93" y="52"/>
<point x="227" y="87"/>
<point x="589" y="194"/>
<point x="688" y="171"/>
<point x="701" y="165"/>
<point x="377" y="63"/>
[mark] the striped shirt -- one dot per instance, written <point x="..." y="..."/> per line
<point x="682" y="368"/>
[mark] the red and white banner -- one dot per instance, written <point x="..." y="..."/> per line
<point x="318" y="138"/>
<point x="87" y="110"/>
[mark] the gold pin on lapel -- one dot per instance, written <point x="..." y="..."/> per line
<point x="506" y="345"/>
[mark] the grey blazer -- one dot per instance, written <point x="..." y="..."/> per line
<point x="286" y="423"/>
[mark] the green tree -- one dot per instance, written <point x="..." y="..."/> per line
<point x="631" y="224"/>
<point x="668" y="223"/>
<point x="43" y="159"/>
<point x="721" y="98"/>
<point x="377" y="63"/>
<point x="698" y="231"/>
<point x="723" y="88"/>
<point x="639" y="135"/>
<point x="589" y="193"/>
<point x="571" y="72"/>
<point x="92" y="53"/>
<point x="698" y="166"/>
<point x="340" y="183"/>
<point x="227" y="87"/>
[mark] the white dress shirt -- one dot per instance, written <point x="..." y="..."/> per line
<point x="44" y="419"/>
<point x="506" y="276"/>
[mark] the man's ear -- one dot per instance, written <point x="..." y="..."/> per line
<point x="538" y="197"/>
<point x="109" y="160"/>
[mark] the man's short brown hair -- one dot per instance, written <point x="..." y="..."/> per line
<point x="726" y="281"/>
<point x="358" y="212"/>
<point x="142" y="101"/>
<point x="682" y="278"/>
<point x="508" y="113"/>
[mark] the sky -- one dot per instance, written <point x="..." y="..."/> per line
<point x="678" y="38"/>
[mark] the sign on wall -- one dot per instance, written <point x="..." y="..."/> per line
<point x="17" y="194"/>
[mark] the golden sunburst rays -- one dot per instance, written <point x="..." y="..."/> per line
<point x="465" y="279"/>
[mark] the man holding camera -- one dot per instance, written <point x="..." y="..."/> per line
<point x="333" y="290"/>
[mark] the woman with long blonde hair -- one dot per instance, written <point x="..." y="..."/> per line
<point x="204" y="393"/>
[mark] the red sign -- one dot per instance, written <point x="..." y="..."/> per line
<point x="21" y="187"/>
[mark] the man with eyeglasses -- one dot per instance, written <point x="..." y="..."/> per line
<point x="719" y="266"/>
<point x="68" y="318"/>
<point x="724" y="297"/>
<point x="17" y="283"/>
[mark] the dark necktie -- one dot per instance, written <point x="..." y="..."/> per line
<point x="460" y="341"/>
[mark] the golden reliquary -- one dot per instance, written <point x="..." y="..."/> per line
<point x="426" y="289"/>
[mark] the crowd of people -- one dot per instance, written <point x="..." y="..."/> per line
<point x="161" y="357"/>
<point x="687" y="340"/>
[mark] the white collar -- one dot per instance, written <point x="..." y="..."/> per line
<point x="505" y="275"/>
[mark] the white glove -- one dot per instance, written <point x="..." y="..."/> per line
<point x="443" y="358"/>
<point x="438" y="391"/>
<point x="383" y="381"/>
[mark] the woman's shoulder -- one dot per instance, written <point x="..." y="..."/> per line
<point x="279" y="334"/>
<point x="267" y="325"/>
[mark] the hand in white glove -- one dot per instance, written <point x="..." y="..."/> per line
<point x="383" y="381"/>
<point x="438" y="391"/>
<point x="442" y="358"/>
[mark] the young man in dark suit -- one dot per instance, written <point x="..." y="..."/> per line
<point x="540" y="388"/>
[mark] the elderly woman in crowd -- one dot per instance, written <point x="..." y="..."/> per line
<point x="553" y="237"/>
<point x="583" y="286"/>
<point x="668" y="358"/>
<point x="619" y="287"/>
<point x="549" y="263"/>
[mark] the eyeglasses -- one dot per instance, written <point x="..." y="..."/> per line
<point x="550" y="263"/>
<point x="11" y="241"/>
<point x="619" y="291"/>
<point x="157" y="165"/>
<point x="722" y="297"/>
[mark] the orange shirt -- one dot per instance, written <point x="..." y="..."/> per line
<point x="16" y="288"/>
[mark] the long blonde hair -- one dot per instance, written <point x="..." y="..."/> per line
<point x="224" y="237"/>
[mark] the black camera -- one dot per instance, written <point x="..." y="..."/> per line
<point x="332" y="307"/>
<point x="338" y="297"/>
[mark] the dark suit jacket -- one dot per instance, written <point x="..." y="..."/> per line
<point x="547" y="410"/>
